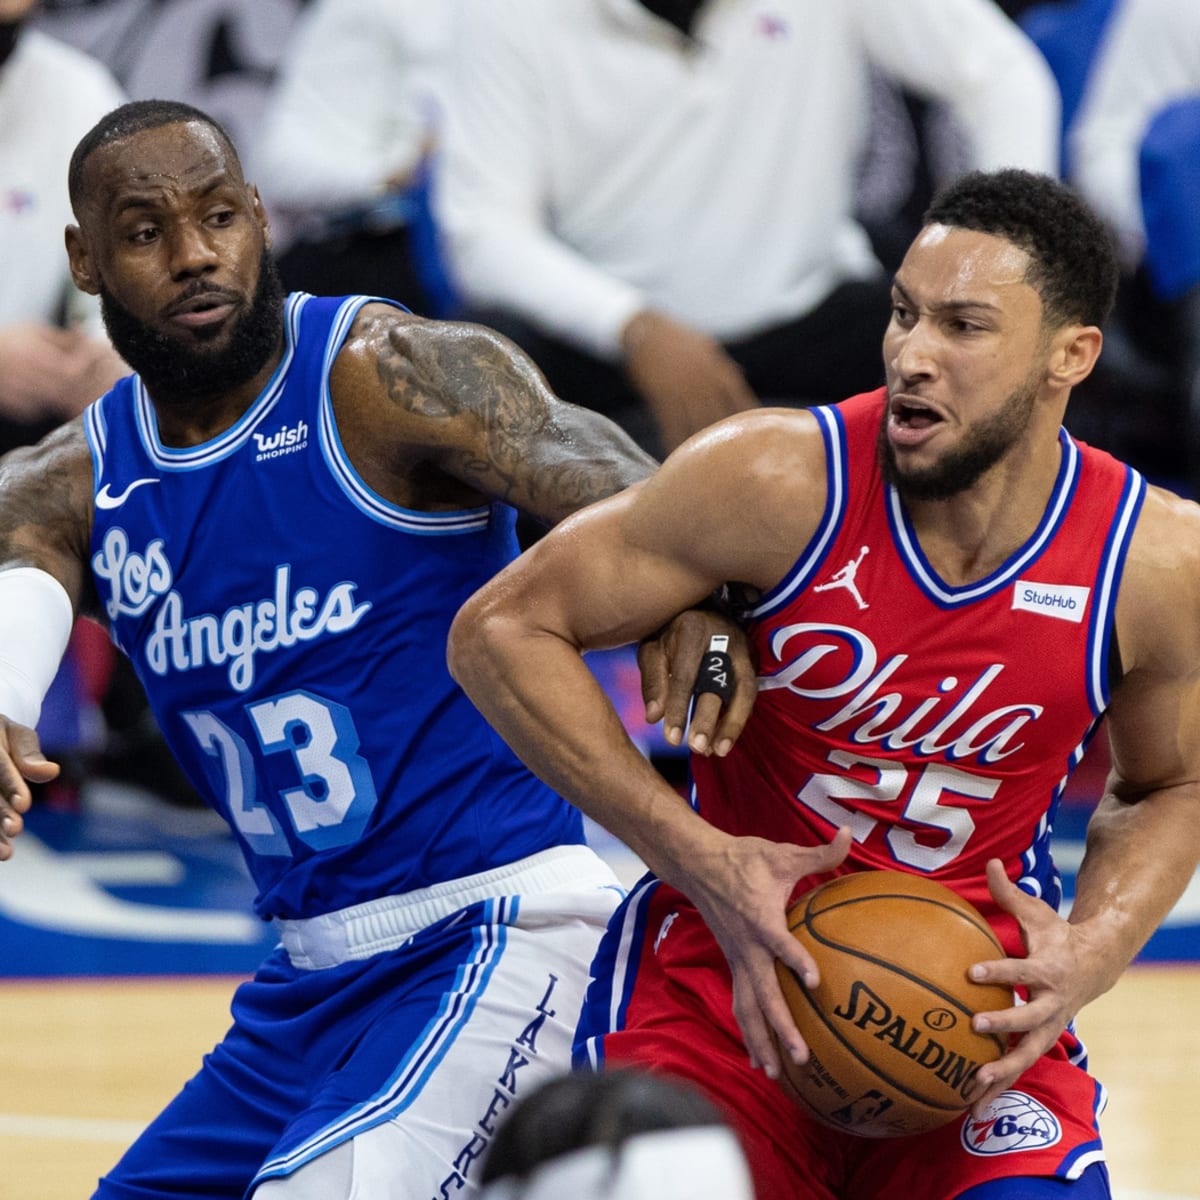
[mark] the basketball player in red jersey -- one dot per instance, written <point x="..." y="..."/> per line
<point x="946" y="593"/>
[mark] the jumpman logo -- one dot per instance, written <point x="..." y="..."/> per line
<point x="665" y="928"/>
<point x="845" y="579"/>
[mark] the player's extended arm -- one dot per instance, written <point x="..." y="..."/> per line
<point x="607" y="576"/>
<point x="45" y="515"/>
<point x="1143" y="841"/>
<point x="464" y="400"/>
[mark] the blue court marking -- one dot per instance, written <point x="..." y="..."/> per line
<point x="135" y="887"/>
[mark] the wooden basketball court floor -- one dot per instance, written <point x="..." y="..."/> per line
<point x="86" y="1062"/>
<point x="125" y="930"/>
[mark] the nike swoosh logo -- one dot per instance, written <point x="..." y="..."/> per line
<point x="106" y="499"/>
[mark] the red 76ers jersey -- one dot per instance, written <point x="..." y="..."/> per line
<point x="938" y="722"/>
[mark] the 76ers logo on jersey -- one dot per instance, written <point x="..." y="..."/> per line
<point x="1014" y="1121"/>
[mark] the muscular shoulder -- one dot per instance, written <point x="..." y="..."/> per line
<point x="430" y="411"/>
<point x="46" y="505"/>
<point x="773" y="451"/>
<point x="757" y="482"/>
<point x="1158" y="608"/>
<point x="433" y="371"/>
<point x="411" y="404"/>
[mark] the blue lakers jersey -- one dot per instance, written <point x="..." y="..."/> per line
<point x="289" y="626"/>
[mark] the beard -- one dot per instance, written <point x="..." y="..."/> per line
<point x="984" y="446"/>
<point x="173" y="371"/>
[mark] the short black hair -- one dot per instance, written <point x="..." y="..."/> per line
<point x="1074" y="266"/>
<point x="584" y="1108"/>
<point x="127" y="120"/>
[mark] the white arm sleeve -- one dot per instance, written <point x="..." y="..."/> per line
<point x="36" y="618"/>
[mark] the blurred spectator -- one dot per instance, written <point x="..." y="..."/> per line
<point x="655" y="197"/>
<point x="345" y="147"/>
<point x="1135" y="154"/>
<point x="54" y="355"/>
<point x="617" y="1135"/>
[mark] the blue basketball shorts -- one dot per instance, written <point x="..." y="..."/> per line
<point x="409" y="1025"/>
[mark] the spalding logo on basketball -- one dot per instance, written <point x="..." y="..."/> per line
<point x="888" y="1028"/>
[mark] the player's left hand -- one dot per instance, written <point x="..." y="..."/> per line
<point x="1059" y="974"/>
<point x="670" y="663"/>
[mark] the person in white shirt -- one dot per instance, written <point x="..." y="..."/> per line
<point x="1135" y="150"/>
<point x="655" y="197"/>
<point x="1150" y="58"/>
<point x="345" y="148"/>
<point x="54" y="355"/>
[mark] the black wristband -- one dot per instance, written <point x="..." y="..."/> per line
<point x="715" y="675"/>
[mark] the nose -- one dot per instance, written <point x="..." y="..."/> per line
<point x="191" y="251"/>
<point x="912" y="349"/>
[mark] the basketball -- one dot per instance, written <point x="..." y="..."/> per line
<point x="891" y="1048"/>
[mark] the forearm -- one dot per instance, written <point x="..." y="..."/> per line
<point x="1140" y="857"/>
<point x="588" y="459"/>
<point x="571" y="737"/>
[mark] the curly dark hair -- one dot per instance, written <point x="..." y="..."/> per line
<point x="1074" y="266"/>
<point x="127" y="120"/>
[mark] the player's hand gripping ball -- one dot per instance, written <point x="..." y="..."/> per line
<point x="889" y="1026"/>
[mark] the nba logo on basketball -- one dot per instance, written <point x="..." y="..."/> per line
<point x="1014" y="1121"/>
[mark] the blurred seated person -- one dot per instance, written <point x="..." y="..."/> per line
<point x="621" y="1134"/>
<point x="55" y="357"/>
<point x="345" y="149"/>
<point x="655" y="198"/>
<point x="1135" y="153"/>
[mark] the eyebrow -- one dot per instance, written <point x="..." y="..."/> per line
<point x="945" y="305"/>
<point x="151" y="200"/>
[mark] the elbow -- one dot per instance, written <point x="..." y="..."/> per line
<point x="462" y="643"/>
<point x="473" y="646"/>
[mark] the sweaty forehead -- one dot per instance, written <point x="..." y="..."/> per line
<point x="160" y="163"/>
<point x="964" y="264"/>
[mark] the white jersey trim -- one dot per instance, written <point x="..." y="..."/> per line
<point x="834" y="435"/>
<point x="1104" y="612"/>
<point x="239" y="432"/>
<point x="942" y="593"/>
<point x="369" y="502"/>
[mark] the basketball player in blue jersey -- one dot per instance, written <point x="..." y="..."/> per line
<point x="277" y="518"/>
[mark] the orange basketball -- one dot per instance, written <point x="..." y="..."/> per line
<point x="889" y="1026"/>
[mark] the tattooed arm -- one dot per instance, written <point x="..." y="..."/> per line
<point x="46" y="509"/>
<point x="437" y="415"/>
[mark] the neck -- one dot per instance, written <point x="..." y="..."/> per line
<point x="195" y="419"/>
<point x="970" y="535"/>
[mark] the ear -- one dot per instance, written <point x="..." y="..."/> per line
<point x="1073" y="353"/>
<point x="82" y="270"/>
<point x="260" y="213"/>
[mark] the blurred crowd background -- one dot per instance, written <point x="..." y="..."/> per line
<point x="680" y="208"/>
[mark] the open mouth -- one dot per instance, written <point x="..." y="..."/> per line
<point x="207" y="309"/>
<point x="912" y="414"/>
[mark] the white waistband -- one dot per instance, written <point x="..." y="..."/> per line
<point x="384" y="924"/>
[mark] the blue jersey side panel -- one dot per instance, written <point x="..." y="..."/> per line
<point x="290" y="627"/>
